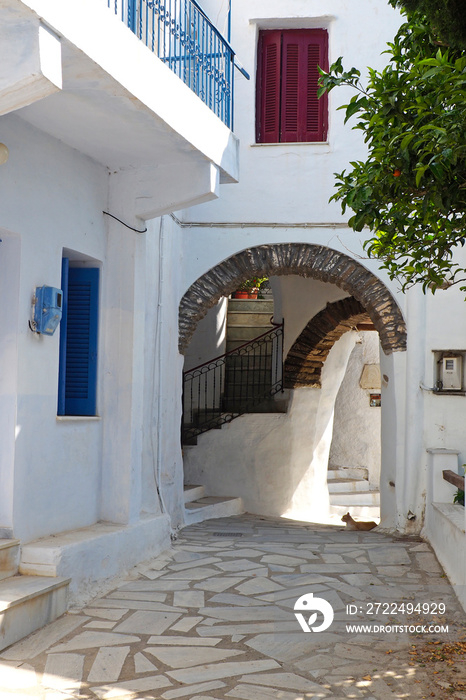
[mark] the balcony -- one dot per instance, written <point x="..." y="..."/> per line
<point x="183" y="37"/>
<point x="81" y="73"/>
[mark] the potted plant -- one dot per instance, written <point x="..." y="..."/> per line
<point x="250" y="288"/>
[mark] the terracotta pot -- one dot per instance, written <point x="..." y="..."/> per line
<point x="241" y="294"/>
<point x="252" y="295"/>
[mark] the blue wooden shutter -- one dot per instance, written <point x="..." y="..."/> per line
<point x="81" y="342"/>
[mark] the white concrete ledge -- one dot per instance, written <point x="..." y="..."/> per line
<point x="91" y="555"/>
<point x="453" y="513"/>
<point x="445" y="530"/>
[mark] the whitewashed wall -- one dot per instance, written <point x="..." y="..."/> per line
<point x="63" y="473"/>
<point x="276" y="462"/>
<point x="56" y="466"/>
<point x="356" y="429"/>
<point x="283" y="185"/>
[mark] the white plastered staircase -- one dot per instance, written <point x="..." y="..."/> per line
<point x="199" y="507"/>
<point x="26" y="602"/>
<point x="350" y="491"/>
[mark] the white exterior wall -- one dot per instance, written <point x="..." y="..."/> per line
<point x="87" y="133"/>
<point x="276" y="462"/>
<point x="282" y="185"/>
<point x="356" y="428"/>
<point x="209" y="338"/>
<point x="57" y="472"/>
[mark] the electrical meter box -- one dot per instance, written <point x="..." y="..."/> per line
<point x="47" y="309"/>
<point x="452" y="373"/>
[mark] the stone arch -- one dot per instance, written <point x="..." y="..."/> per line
<point x="308" y="353"/>
<point x="302" y="259"/>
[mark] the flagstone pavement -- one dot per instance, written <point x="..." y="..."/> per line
<point x="214" y="618"/>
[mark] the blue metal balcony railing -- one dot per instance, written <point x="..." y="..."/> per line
<point x="182" y="36"/>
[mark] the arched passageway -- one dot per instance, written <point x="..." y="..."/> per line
<point x="278" y="463"/>
<point x="307" y="260"/>
<point x="306" y="357"/>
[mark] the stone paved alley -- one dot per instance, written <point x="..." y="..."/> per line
<point x="214" y="618"/>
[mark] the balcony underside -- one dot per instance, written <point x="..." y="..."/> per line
<point x="93" y="85"/>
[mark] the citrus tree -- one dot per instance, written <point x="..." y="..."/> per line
<point x="446" y="17"/>
<point x="411" y="190"/>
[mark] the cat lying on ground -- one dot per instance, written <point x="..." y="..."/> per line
<point x="357" y="525"/>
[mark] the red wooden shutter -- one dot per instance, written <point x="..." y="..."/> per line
<point x="293" y="85"/>
<point x="303" y="116"/>
<point x="268" y="87"/>
<point x="316" y="124"/>
<point x="288" y="109"/>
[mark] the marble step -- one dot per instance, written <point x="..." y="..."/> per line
<point x="193" y="493"/>
<point x="9" y="558"/>
<point x="347" y="473"/>
<point x="347" y="485"/>
<point x="28" y="603"/>
<point x="210" y="507"/>
<point x="355" y="498"/>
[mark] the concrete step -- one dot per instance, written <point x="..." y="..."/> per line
<point x="347" y="473"/>
<point x="271" y="405"/>
<point x="349" y="499"/>
<point x="248" y="362"/>
<point x="244" y="389"/>
<point x="27" y="603"/>
<point x="245" y="333"/>
<point x="212" y="507"/>
<point x="248" y="378"/>
<point x="347" y="485"/>
<point x="9" y="558"/>
<point x="233" y="344"/>
<point x="249" y="318"/>
<point x="250" y="305"/>
<point x="192" y="493"/>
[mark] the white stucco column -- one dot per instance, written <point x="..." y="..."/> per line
<point x="9" y="289"/>
<point x="123" y="365"/>
<point x="411" y="490"/>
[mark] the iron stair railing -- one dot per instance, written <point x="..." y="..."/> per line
<point x="220" y="390"/>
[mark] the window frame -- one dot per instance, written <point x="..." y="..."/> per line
<point x="86" y="355"/>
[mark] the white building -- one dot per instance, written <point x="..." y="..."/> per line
<point x="97" y="126"/>
<point x="105" y="141"/>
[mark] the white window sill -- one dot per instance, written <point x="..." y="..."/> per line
<point x="78" y="419"/>
<point x="321" y="146"/>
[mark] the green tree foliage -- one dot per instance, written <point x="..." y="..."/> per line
<point x="411" y="190"/>
<point x="446" y="17"/>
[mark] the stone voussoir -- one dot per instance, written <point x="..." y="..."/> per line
<point x="307" y="260"/>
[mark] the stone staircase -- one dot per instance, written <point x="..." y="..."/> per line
<point x="349" y="490"/>
<point x="26" y="602"/>
<point x="199" y="507"/>
<point x="248" y="377"/>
